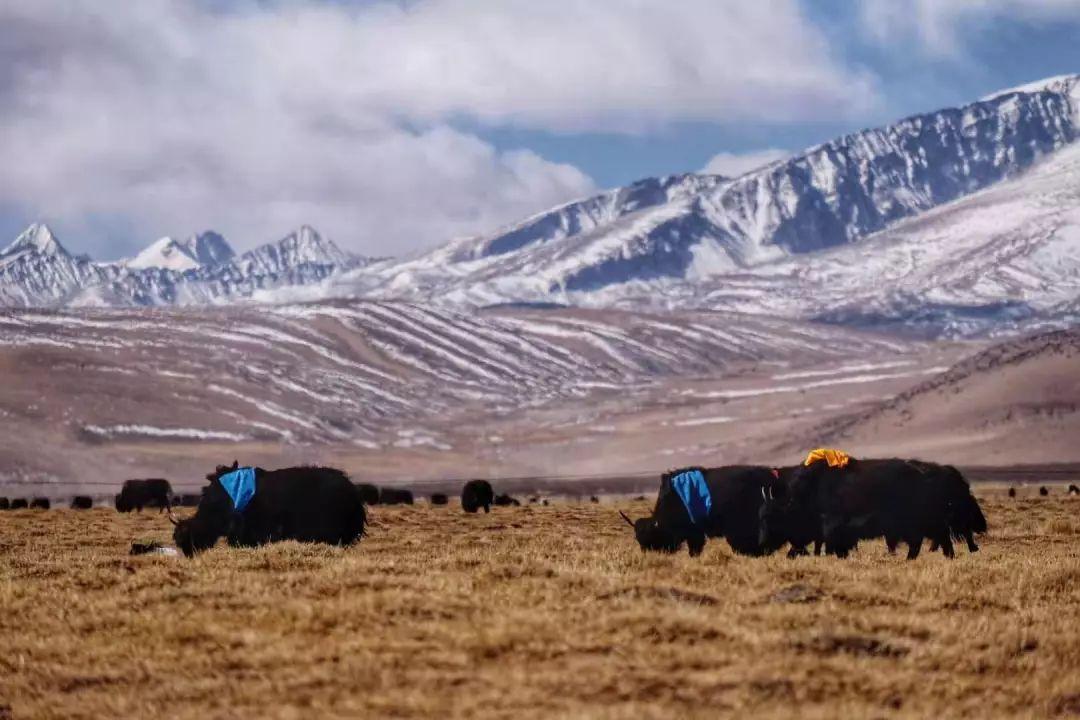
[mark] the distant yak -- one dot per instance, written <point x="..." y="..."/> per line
<point x="1073" y="490"/>
<point x="477" y="494"/>
<point x="1012" y="492"/>
<point x="594" y="499"/>
<point x="395" y="496"/>
<point x="139" y="494"/>
<point x="5" y="504"/>
<point x="1043" y="491"/>
<point x="82" y="502"/>
<point x="40" y="503"/>
<point x="19" y="504"/>
<point x="507" y="500"/>
<point x="187" y="500"/>
<point x="252" y="506"/>
<point x="439" y="499"/>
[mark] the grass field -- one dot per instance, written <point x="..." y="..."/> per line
<point x="535" y="612"/>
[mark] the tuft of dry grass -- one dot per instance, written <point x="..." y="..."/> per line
<point x="534" y="612"/>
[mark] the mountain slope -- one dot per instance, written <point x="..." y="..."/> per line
<point x="1017" y="402"/>
<point x="697" y="229"/>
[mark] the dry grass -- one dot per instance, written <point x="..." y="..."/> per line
<point x="534" y="612"/>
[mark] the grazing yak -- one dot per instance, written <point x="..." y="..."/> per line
<point x="395" y="496"/>
<point x="139" y="494"/>
<point x="187" y="500"/>
<point x="1012" y="492"/>
<point x="477" y="494"/>
<point x="841" y="504"/>
<point x="5" y="504"/>
<point x="1043" y="491"/>
<point x="368" y="492"/>
<point x="439" y="499"/>
<point x="697" y="503"/>
<point x="252" y="506"/>
<point x="82" y="502"/>
<point x="505" y="500"/>
<point x="19" y="504"/>
<point x="40" y="503"/>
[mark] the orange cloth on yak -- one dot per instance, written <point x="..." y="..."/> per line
<point x="835" y="458"/>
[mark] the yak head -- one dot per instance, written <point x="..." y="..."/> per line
<point x="651" y="535"/>
<point x="211" y="520"/>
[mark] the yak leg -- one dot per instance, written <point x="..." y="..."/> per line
<point x="795" y="552"/>
<point x="695" y="542"/>
<point x="891" y="541"/>
<point x="914" y="545"/>
<point x="947" y="547"/>
<point x="972" y="547"/>
<point x="934" y="545"/>
<point x="817" y="548"/>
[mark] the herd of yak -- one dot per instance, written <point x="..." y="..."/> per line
<point x="830" y="502"/>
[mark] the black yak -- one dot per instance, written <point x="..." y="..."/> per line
<point x="82" y="502"/>
<point x="477" y="494"/>
<point x="506" y="500"/>
<point x="395" y="496"/>
<point x="19" y="504"/>
<point x="139" y="494"/>
<point x="698" y="503"/>
<point x="965" y="517"/>
<point x="1043" y="491"/>
<point x="1073" y="490"/>
<point x="40" y="503"/>
<point x="439" y="499"/>
<point x="253" y="507"/>
<point x="5" y="504"/>
<point x="889" y="498"/>
<point x="594" y="499"/>
<point x="1012" y="492"/>
<point x="368" y="492"/>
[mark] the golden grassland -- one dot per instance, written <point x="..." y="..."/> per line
<point x="535" y="612"/>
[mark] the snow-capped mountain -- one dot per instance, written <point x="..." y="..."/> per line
<point x="207" y="248"/>
<point x="756" y="242"/>
<point x="961" y="220"/>
<point x="36" y="270"/>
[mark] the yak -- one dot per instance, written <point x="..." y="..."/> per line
<point x="139" y="494"/>
<point x="505" y="500"/>
<point x="1012" y="492"/>
<point x="369" y="493"/>
<point x="477" y="494"/>
<point x="697" y="503"/>
<point x="891" y="498"/>
<point x="40" y="503"/>
<point x="965" y="517"/>
<point x="780" y="521"/>
<point x="19" y="504"/>
<point x="82" y="502"/>
<point x="1043" y="491"/>
<point x="5" y="504"/>
<point x="395" y="496"/>
<point x="439" y="499"/>
<point x="253" y="506"/>
<point x="1073" y="490"/>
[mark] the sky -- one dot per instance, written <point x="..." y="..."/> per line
<point x="392" y="127"/>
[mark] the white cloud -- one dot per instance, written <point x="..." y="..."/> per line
<point x="735" y="164"/>
<point x="164" y="117"/>
<point x="937" y="25"/>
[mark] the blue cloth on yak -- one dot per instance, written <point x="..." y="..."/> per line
<point x="240" y="484"/>
<point x="691" y="488"/>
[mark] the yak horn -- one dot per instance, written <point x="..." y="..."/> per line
<point x="763" y="495"/>
<point x="627" y="519"/>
